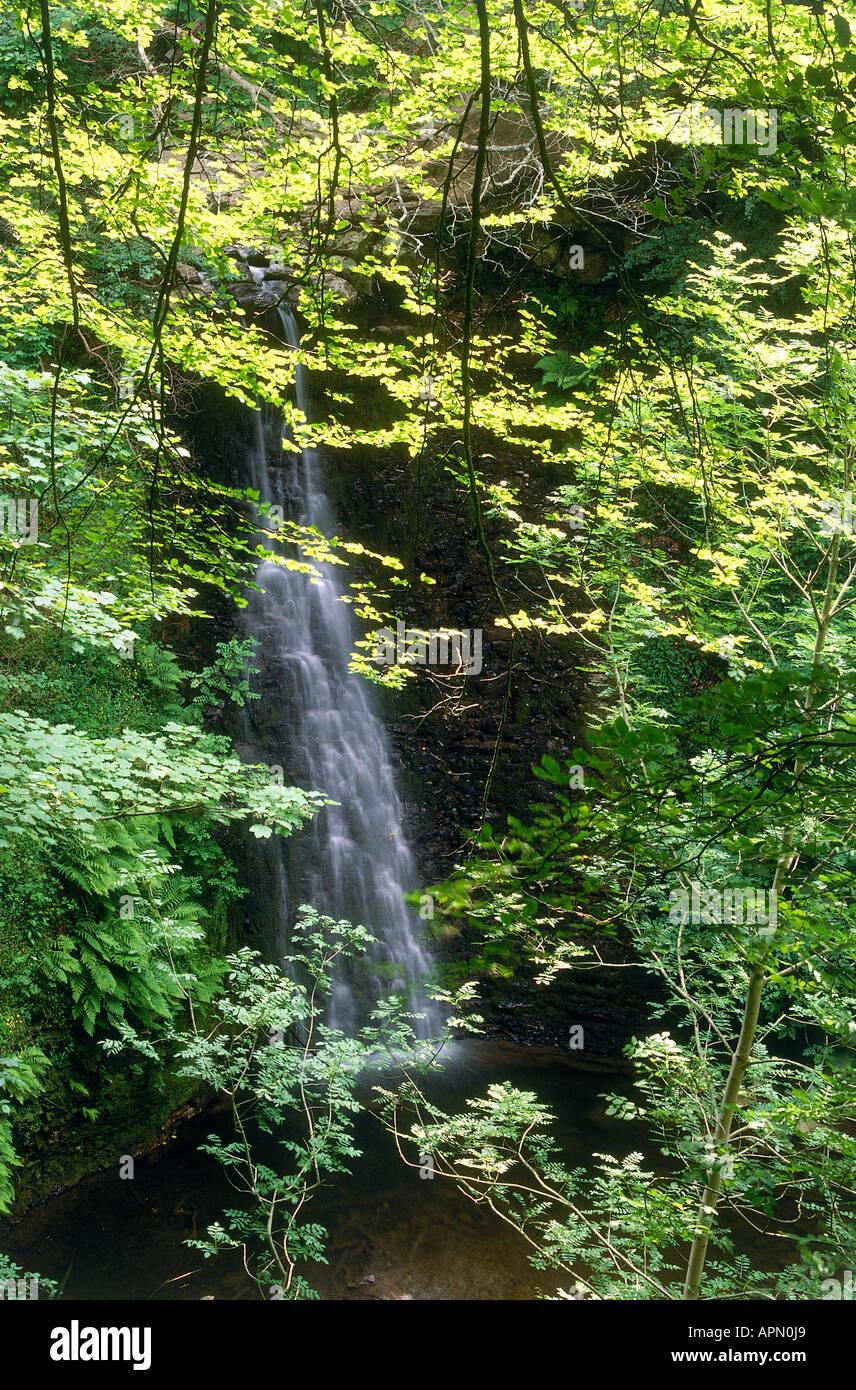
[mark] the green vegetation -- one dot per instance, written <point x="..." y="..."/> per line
<point x="420" y="179"/>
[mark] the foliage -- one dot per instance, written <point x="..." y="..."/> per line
<point x="19" y="1081"/>
<point x="25" y="1282"/>
<point x="268" y="1051"/>
<point x="690" y="396"/>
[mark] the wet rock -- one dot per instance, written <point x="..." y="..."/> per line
<point x="260" y="295"/>
<point x="279" y="272"/>
<point x="248" y="255"/>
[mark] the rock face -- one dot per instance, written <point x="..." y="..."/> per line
<point x="451" y="735"/>
<point x="414" y="223"/>
<point x="266" y="285"/>
<point x="464" y="751"/>
<point x="454" y="736"/>
<point x="353" y="283"/>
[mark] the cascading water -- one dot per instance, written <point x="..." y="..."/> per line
<point x="352" y="861"/>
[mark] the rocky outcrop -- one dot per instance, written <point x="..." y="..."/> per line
<point x="341" y="247"/>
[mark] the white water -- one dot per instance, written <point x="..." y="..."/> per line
<point x="352" y="861"/>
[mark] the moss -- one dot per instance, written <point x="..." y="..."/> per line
<point x="62" y="1146"/>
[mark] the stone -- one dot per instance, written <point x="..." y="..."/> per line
<point x="338" y="286"/>
<point x="248" y="255"/>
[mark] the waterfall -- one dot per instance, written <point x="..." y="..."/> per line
<point x="315" y="720"/>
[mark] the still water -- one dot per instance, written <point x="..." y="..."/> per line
<point x="391" y="1234"/>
